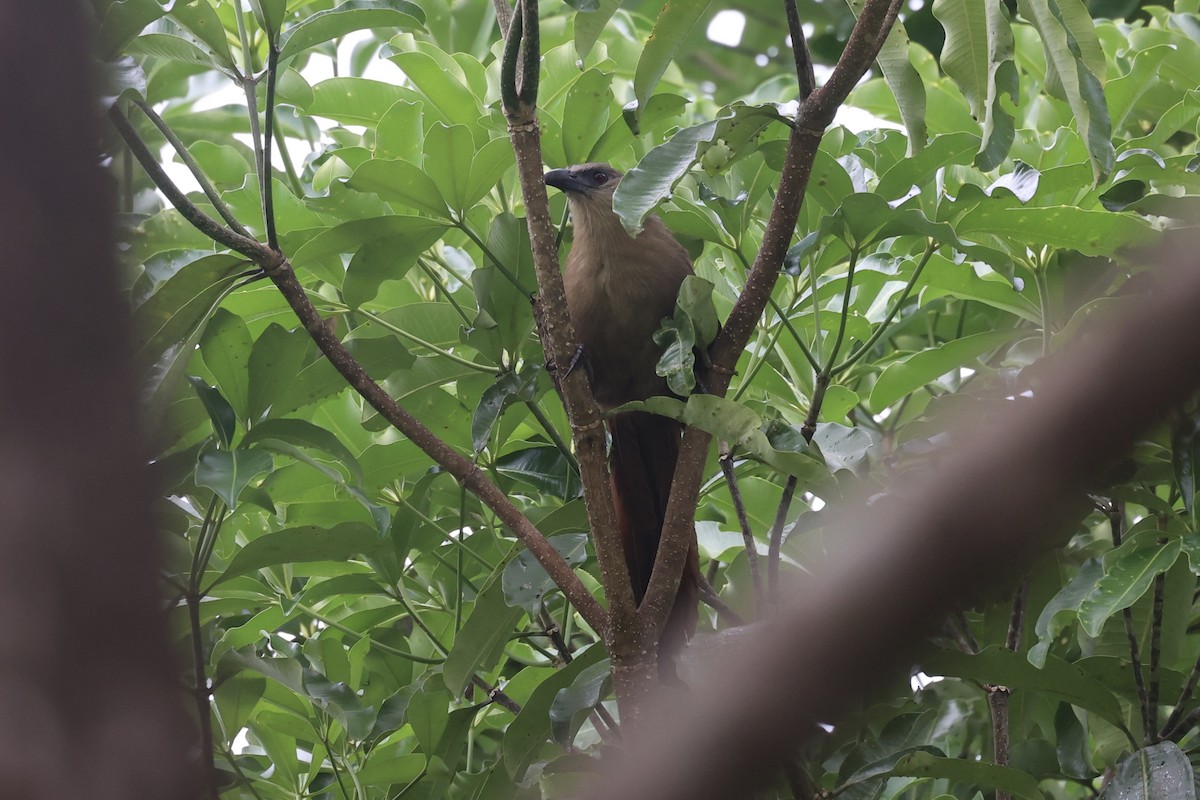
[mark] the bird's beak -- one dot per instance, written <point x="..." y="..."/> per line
<point x="564" y="180"/>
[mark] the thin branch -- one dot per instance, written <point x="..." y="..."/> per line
<point x="841" y="332"/>
<point x="1016" y="621"/>
<point x="776" y="541"/>
<point x="862" y="350"/>
<point x="1186" y="724"/>
<point x="193" y="166"/>
<point x="1116" y="521"/>
<point x="465" y="471"/>
<point x="1184" y="697"/>
<point x="960" y="629"/>
<point x="553" y="433"/>
<point x="245" y="245"/>
<point x="266" y="183"/>
<point x="998" y="706"/>
<point x="760" y="596"/>
<point x="1156" y="623"/>
<point x="496" y="695"/>
<point x="805" y="79"/>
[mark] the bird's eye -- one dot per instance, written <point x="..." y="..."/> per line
<point x="600" y="177"/>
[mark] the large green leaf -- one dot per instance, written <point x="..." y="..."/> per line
<point x="1057" y="678"/>
<point x="910" y="373"/>
<point x="1062" y="608"/>
<point x="307" y="543"/>
<point x="229" y="472"/>
<point x="481" y="641"/>
<point x="226" y="347"/>
<point x="526" y="582"/>
<point x="352" y="15"/>
<point x="1129" y="571"/>
<point x="674" y="23"/>
<point x="1153" y="773"/>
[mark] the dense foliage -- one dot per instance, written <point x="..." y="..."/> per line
<point x="366" y="628"/>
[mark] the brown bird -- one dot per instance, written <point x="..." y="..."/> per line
<point x="619" y="289"/>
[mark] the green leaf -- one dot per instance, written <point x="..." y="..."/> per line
<point x="382" y="260"/>
<point x="201" y="20"/>
<point x="1062" y="608"/>
<point x="1075" y="67"/>
<point x="172" y="48"/>
<point x="1185" y="457"/>
<point x="447" y="162"/>
<point x="303" y="544"/>
<point x="672" y="27"/>
<point x="355" y="101"/>
<point x="530" y="729"/>
<point x="275" y="360"/>
<point x="525" y="582"/>
<point x="352" y="15"/>
<point x="978" y="56"/>
<point x="448" y="97"/>
<point x="399" y="182"/>
<point x="1065" y="227"/>
<point x="584" y="694"/>
<point x="220" y="413"/>
<point x="904" y="81"/>
<point x="349" y="236"/>
<point x="509" y="388"/>
<point x="236" y="698"/>
<point x="843" y="447"/>
<point x="544" y="468"/>
<point x="910" y="373"/>
<point x="961" y="770"/>
<point x="1153" y="773"/>
<point x="585" y="115"/>
<point x="228" y="472"/>
<point x="270" y="14"/>
<point x="122" y="20"/>
<point x="1129" y="571"/>
<point x="480" y="643"/>
<point x="589" y="26"/>
<point x="226" y="348"/>
<point x="391" y="769"/>
<point x="656" y="175"/>
<point x="1057" y="678"/>
<point x="742" y="428"/>
<point x="302" y="433"/>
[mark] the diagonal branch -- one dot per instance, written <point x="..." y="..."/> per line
<point x="276" y="266"/>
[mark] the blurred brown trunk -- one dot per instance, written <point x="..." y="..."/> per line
<point x="89" y="707"/>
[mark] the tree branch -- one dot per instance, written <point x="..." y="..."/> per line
<point x="805" y="79"/>
<point x="760" y="596"/>
<point x="557" y="333"/>
<point x="776" y="542"/>
<point x="465" y="471"/>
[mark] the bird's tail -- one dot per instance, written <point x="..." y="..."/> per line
<point x="644" y="450"/>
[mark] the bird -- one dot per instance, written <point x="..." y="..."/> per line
<point x="618" y="290"/>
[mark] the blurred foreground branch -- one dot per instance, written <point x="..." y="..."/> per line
<point x="1001" y="493"/>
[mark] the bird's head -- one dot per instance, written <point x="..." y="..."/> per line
<point x="589" y="187"/>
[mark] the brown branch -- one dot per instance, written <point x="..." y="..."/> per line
<point x="560" y="344"/>
<point x="1184" y="697"/>
<point x="760" y="596"/>
<point x="1116" y="521"/>
<point x="708" y="595"/>
<point x="504" y="14"/>
<point x="998" y="696"/>
<point x="815" y="115"/>
<point x="805" y="79"/>
<point x="462" y="468"/>
<point x="1156" y="621"/>
<point x="836" y="642"/>
<point x="775" y="546"/>
<point x="497" y="695"/>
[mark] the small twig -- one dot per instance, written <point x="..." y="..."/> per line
<point x="193" y="166"/>
<point x="504" y="14"/>
<point x="266" y="188"/>
<point x="1184" y="697"/>
<point x="726" y="462"/>
<point x="960" y="629"/>
<point x="1116" y="521"/>
<point x="776" y="542"/>
<point x="805" y="79"/>
<point x="496" y="695"/>
<point x="708" y="594"/>
<point x="998" y="705"/>
<point x="187" y="209"/>
<point x="1156" y="623"/>
<point x="1016" y="621"/>
<point x="1185" y="725"/>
